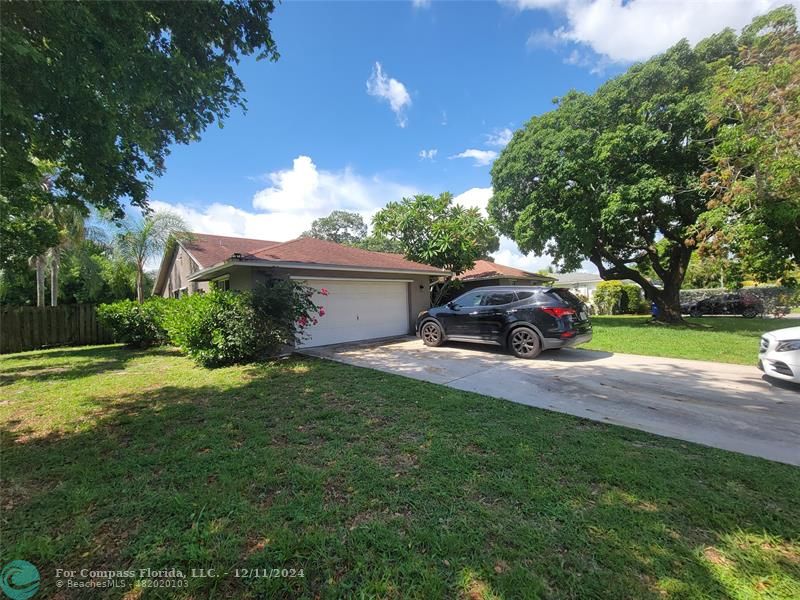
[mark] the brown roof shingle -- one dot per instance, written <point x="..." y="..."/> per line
<point x="209" y="249"/>
<point x="484" y="269"/>
<point x="321" y="252"/>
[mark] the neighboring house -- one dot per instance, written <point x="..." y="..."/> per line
<point x="486" y="273"/>
<point x="370" y="294"/>
<point x="580" y="283"/>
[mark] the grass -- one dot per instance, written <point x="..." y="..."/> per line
<point x="374" y="485"/>
<point x="721" y="339"/>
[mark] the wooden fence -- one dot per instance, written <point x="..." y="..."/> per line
<point x="30" y="328"/>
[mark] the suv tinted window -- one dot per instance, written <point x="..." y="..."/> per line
<point x="565" y="296"/>
<point x="524" y="295"/>
<point x="471" y="299"/>
<point x="498" y="298"/>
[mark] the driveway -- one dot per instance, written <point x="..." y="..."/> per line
<point x="720" y="405"/>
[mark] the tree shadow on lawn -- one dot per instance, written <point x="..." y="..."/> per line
<point x="378" y="485"/>
<point x="76" y="364"/>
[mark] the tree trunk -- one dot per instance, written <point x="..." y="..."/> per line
<point x="139" y="284"/>
<point x="667" y="299"/>
<point x="39" y="265"/>
<point x="54" y="266"/>
<point x="668" y="302"/>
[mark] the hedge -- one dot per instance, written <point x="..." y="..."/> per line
<point x="218" y="328"/>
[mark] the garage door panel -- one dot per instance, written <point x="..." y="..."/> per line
<point x="358" y="311"/>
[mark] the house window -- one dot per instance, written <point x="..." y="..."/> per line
<point x="180" y="292"/>
<point x="223" y="284"/>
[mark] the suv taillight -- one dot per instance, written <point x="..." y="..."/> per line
<point x="558" y="311"/>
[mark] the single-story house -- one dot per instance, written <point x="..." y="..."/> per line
<point x="486" y="272"/>
<point x="370" y="294"/>
<point x="580" y="283"/>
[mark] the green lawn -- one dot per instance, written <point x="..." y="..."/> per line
<point x="720" y="339"/>
<point x="374" y="485"/>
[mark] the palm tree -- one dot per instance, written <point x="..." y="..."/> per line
<point x="38" y="263"/>
<point x="145" y="239"/>
<point x="71" y="234"/>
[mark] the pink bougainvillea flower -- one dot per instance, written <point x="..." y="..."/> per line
<point x="324" y="292"/>
<point x="321" y="311"/>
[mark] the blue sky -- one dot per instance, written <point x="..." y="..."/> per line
<point x="371" y="101"/>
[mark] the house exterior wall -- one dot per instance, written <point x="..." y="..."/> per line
<point x="180" y="269"/>
<point x="586" y="288"/>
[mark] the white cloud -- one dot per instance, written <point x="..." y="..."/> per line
<point x="475" y="197"/>
<point x="428" y="154"/>
<point x="481" y="157"/>
<point x="421" y="3"/>
<point x="296" y="197"/>
<point x="303" y="193"/>
<point x="444" y="118"/>
<point x="499" y="138"/>
<point x="627" y="31"/>
<point x="394" y="92"/>
<point x="542" y="38"/>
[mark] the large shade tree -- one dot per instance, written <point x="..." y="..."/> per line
<point x="99" y="91"/>
<point x="341" y="226"/>
<point x="614" y="177"/>
<point x="438" y="232"/>
<point x="755" y="164"/>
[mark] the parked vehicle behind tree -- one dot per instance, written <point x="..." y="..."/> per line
<point x="746" y="305"/>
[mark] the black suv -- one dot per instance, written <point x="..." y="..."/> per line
<point x="747" y="305"/>
<point x="526" y="320"/>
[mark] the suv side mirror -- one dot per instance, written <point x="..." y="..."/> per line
<point x="452" y="305"/>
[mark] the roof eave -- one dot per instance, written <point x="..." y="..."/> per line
<point x="212" y="270"/>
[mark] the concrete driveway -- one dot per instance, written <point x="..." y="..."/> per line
<point x="720" y="405"/>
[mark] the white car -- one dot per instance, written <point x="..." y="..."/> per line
<point x="779" y="355"/>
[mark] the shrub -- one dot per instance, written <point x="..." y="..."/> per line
<point x="226" y="327"/>
<point x="137" y="325"/>
<point x="617" y="298"/>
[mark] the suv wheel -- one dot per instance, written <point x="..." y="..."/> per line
<point x="524" y="343"/>
<point x="750" y="312"/>
<point x="431" y="334"/>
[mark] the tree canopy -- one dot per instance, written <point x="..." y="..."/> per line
<point x="616" y="177"/>
<point x="94" y="93"/>
<point x="340" y="226"/>
<point x="754" y="107"/>
<point x="435" y="231"/>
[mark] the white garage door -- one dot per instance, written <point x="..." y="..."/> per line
<point x="358" y="310"/>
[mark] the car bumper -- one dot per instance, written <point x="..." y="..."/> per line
<point x="553" y="343"/>
<point x="779" y="369"/>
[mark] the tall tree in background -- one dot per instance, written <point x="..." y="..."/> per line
<point x="69" y="222"/>
<point x="437" y="232"/>
<point x="146" y="239"/>
<point x="101" y="90"/>
<point x="614" y="177"/>
<point x="754" y="108"/>
<point x="340" y="226"/>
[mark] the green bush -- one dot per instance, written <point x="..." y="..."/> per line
<point x="619" y="298"/>
<point x="137" y="325"/>
<point x="226" y="327"/>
